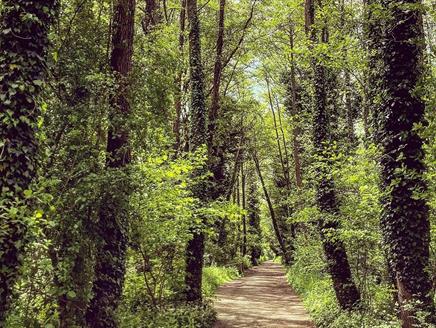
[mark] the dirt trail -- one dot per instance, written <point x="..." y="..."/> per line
<point x="262" y="298"/>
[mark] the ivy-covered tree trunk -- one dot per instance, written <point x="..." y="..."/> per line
<point x="374" y="30"/>
<point x="111" y="227"/>
<point x="347" y="294"/>
<point x="214" y="140"/>
<point x="405" y="216"/>
<point x="195" y="247"/>
<point x="215" y="103"/>
<point x="293" y="107"/>
<point x="24" y="27"/>
<point x="254" y="230"/>
<point x="338" y="266"/>
<point x="244" y="206"/>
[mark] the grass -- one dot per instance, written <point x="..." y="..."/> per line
<point x="215" y="276"/>
<point x="319" y="299"/>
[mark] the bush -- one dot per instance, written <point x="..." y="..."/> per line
<point x="180" y="316"/>
<point x="137" y="311"/>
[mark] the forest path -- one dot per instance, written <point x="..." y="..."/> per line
<point x="262" y="298"/>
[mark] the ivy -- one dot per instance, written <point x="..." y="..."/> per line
<point x="24" y="42"/>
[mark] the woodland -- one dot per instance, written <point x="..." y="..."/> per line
<point x="152" y="150"/>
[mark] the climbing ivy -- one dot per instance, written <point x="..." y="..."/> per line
<point x="405" y="218"/>
<point x="24" y="41"/>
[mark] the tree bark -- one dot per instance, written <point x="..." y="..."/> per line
<point x="112" y="225"/>
<point x="179" y="82"/>
<point x="23" y="45"/>
<point x="215" y="103"/>
<point x="405" y="217"/>
<point x="244" y="206"/>
<point x="254" y="221"/>
<point x="283" y="160"/>
<point x="374" y="31"/>
<point x="214" y="144"/>
<point x="151" y="17"/>
<point x="293" y="107"/>
<point x="338" y="266"/>
<point x="195" y="247"/>
<point x="275" y="223"/>
<point x="351" y="136"/>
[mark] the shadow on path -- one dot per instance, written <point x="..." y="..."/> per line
<point x="262" y="298"/>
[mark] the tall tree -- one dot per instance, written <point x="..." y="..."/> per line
<point x="195" y="247"/>
<point x="179" y="79"/>
<point x="275" y="222"/>
<point x="244" y="206"/>
<point x="374" y="27"/>
<point x="24" y="27"/>
<point x="338" y="266"/>
<point x="293" y="107"/>
<point x="111" y="227"/>
<point x="405" y="216"/>
<point x="215" y="103"/>
<point x="282" y="180"/>
<point x="214" y="144"/>
<point x="254" y="230"/>
<point x="151" y="17"/>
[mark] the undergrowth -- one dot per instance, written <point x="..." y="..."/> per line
<point x="309" y="279"/>
<point x="215" y="276"/>
<point x="176" y="314"/>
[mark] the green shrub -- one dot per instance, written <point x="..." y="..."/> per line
<point x="137" y="311"/>
<point x="180" y="316"/>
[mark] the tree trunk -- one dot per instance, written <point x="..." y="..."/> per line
<point x="348" y="88"/>
<point x="215" y="103"/>
<point x="283" y="159"/>
<point x="195" y="247"/>
<point x="374" y="30"/>
<point x="351" y="136"/>
<point x="244" y="217"/>
<point x="254" y="222"/>
<point x="338" y="266"/>
<point x="293" y="108"/>
<point x="23" y="44"/>
<point x="179" y="82"/>
<point x="151" y="17"/>
<point x="405" y="217"/>
<point x="275" y="223"/>
<point x="214" y="144"/>
<point x="334" y="249"/>
<point x="112" y="225"/>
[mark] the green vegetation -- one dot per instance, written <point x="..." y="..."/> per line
<point x="214" y="276"/>
<point x="168" y="315"/>
<point x="152" y="150"/>
<point x="356" y="177"/>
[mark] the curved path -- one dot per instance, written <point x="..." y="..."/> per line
<point x="262" y="298"/>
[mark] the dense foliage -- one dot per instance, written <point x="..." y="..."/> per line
<point x="151" y="151"/>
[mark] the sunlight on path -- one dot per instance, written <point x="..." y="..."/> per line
<point x="260" y="299"/>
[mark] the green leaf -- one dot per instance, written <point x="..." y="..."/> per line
<point x="71" y="294"/>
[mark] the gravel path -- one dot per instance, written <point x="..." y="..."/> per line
<point x="262" y="298"/>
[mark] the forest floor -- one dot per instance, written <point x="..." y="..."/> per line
<point x="262" y="298"/>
